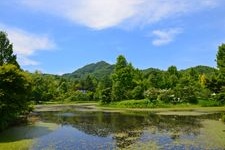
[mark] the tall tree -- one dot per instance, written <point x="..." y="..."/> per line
<point x="122" y="79"/>
<point x="6" y="51"/>
<point x="220" y="59"/>
<point x="15" y="86"/>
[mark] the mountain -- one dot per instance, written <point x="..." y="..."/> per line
<point x="103" y="69"/>
<point x="201" y="69"/>
<point x="99" y="70"/>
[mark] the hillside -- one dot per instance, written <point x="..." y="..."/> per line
<point x="99" y="70"/>
<point x="102" y="69"/>
<point x="201" y="69"/>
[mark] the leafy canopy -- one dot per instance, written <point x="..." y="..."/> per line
<point x="6" y="51"/>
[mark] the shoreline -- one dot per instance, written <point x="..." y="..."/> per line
<point x="97" y="107"/>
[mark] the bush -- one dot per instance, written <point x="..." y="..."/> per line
<point x="152" y="94"/>
<point x="133" y="104"/>
<point x="138" y="92"/>
<point x="105" y="96"/>
<point x="81" y="96"/>
<point x="220" y="98"/>
<point x="166" y="96"/>
<point x="185" y="94"/>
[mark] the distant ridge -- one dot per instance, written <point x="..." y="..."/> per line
<point x="99" y="70"/>
<point x="200" y="69"/>
<point x="103" y="69"/>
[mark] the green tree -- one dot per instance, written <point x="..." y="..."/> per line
<point x="220" y="59"/>
<point x="6" y="51"/>
<point x="172" y="70"/>
<point x="15" y="86"/>
<point x="45" y="87"/>
<point x="122" y="79"/>
<point x="105" y="95"/>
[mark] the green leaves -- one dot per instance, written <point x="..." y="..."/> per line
<point x="122" y="79"/>
<point x="220" y="58"/>
<point x="6" y="51"/>
<point x="15" y="86"/>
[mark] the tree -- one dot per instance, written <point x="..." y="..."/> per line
<point x="15" y="86"/>
<point x="6" y="51"/>
<point x="172" y="70"/>
<point x="122" y="79"/>
<point x="220" y="59"/>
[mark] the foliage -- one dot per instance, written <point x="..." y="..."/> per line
<point x="133" y="104"/>
<point x="220" y="98"/>
<point x="81" y="96"/>
<point x="152" y="94"/>
<point x="185" y="94"/>
<point x="15" y="86"/>
<point x="44" y="88"/>
<point x="220" y="59"/>
<point x="167" y="96"/>
<point x="6" y="51"/>
<point x="109" y="84"/>
<point x="99" y="70"/>
<point x="122" y="79"/>
<point x="105" y="96"/>
<point x="138" y="92"/>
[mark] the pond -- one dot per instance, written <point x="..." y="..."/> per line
<point x="87" y="128"/>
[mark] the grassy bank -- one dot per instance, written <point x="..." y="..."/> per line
<point x="145" y="103"/>
<point x="136" y="105"/>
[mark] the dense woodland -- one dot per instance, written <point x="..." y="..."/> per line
<point x="107" y="84"/>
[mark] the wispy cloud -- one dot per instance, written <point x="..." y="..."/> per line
<point x="26" y="44"/>
<point x="101" y="14"/>
<point x="164" y="37"/>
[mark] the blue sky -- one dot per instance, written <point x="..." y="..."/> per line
<point x="60" y="36"/>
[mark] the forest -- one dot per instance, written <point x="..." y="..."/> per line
<point x="119" y="83"/>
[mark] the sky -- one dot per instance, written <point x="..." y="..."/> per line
<point x="60" y="36"/>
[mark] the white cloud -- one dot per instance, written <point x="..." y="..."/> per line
<point x="26" y="44"/>
<point x="96" y="14"/>
<point x="165" y="36"/>
<point x="101" y="14"/>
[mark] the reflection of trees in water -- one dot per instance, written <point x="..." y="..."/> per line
<point x="175" y="126"/>
<point x="126" y="129"/>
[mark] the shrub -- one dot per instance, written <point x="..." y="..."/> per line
<point x="138" y="92"/>
<point x="185" y="94"/>
<point x="105" y="96"/>
<point x="220" y="98"/>
<point x="166" y="96"/>
<point x="152" y="94"/>
<point x="81" y="96"/>
<point x="134" y="104"/>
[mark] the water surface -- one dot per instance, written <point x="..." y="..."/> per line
<point x="86" y="128"/>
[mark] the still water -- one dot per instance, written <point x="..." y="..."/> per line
<point x="81" y="128"/>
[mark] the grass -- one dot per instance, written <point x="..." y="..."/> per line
<point x="207" y="103"/>
<point x="135" y="105"/>
<point x="167" y="109"/>
<point x="145" y="103"/>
